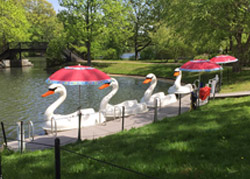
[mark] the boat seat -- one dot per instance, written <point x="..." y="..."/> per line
<point x="212" y="83"/>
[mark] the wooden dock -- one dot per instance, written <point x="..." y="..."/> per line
<point x="110" y="127"/>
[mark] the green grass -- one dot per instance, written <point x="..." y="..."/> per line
<point x="143" y="61"/>
<point x="212" y="142"/>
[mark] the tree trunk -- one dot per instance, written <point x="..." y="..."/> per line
<point x="238" y="52"/>
<point x="136" y="41"/>
<point x="231" y="44"/>
<point x="88" y="43"/>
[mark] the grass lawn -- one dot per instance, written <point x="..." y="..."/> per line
<point x="212" y="142"/>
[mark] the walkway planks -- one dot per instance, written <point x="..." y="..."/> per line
<point x="111" y="127"/>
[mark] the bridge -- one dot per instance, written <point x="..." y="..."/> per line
<point x="10" y="50"/>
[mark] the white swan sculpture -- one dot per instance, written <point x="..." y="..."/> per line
<point x="69" y="121"/>
<point x="149" y="99"/>
<point x="131" y="106"/>
<point x="177" y="87"/>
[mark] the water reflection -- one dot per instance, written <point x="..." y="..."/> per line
<point x="21" y="89"/>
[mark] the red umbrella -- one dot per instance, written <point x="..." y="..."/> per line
<point x="222" y="59"/>
<point x="200" y="65"/>
<point x="79" y="75"/>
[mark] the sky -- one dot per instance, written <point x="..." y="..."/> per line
<point x="55" y="5"/>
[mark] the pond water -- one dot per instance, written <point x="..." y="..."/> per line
<point x="21" y="90"/>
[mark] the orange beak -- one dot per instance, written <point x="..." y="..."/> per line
<point x="104" y="86"/>
<point x="146" y="81"/>
<point x="176" y="73"/>
<point x="48" y="93"/>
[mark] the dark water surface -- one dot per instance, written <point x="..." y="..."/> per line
<point x="21" y="90"/>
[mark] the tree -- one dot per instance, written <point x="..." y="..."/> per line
<point x="42" y="17"/>
<point x="13" y="22"/>
<point x="208" y="24"/>
<point x="143" y="19"/>
<point x="96" y="24"/>
<point x="166" y="43"/>
<point x="83" y="16"/>
<point x="113" y="41"/>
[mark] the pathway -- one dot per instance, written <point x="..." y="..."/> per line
<point x="111" y="127"/>
<point x="232" y="95"/>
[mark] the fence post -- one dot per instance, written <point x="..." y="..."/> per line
<point x="21" y="136"/>
<point x="79" y="127"/>
<point x="156" y="110"/>
<point x="179" y="104"/>
<point x="1" y="175"/>
<point x="123" y="114"/>
<point x="57" y="158"/>
<point x="4" y="135"/>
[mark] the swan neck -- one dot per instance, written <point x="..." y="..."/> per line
<point x="50" y="110"/>
<point x="150" y="90"/>
<point x="106" y="99"/>
<point x="178" y="80"/>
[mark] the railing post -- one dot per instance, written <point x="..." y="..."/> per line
<point x="21" y="136"/>
<point x="79" y="127"/>
<point x="4" y="134"/>
<point x="179" y="103"/>
<point x="123" y="114"/>
<point x="156" y="110"/>
<point x="57" y="158"/>
<point x="1" y="175"/>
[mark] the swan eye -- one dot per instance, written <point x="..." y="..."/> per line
<point x="52" y="89"/>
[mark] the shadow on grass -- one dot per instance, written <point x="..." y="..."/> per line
<point x="211" y="142"/>
<point x="196" y="145"/>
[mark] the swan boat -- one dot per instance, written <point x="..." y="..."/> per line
<point x="131" y="106"/>
<point x="177" y="88"/>
<point x="149" y="99"/>
<point x="70" y="121"/>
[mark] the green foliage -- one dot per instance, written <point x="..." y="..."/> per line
<point x="42" y="17"/>
<point x="211" y="25"/>
<point x="166" y="44"/>
<point x="104" y="30"/>
<point x="13" y="22"/>
<point x="115" y="30"/>
<point x="55" y="50"/>
<point x="110" y="54"/>
<point x="143" y="20"/>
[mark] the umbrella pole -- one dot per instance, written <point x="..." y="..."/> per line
<point x="79" y="95"/>
<point x="221" y="74"/>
